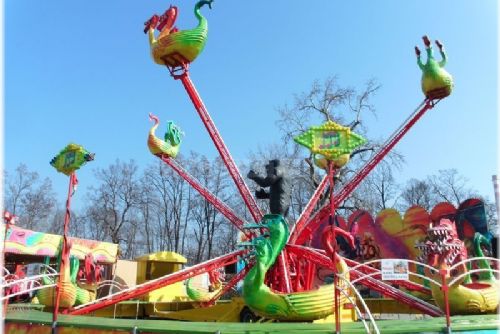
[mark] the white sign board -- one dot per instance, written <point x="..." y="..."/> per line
<point x="394" y="269"/>
<point x="33" y="269"/>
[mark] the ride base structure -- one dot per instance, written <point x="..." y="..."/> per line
<point x="280" y="264"/>
<point x="40" y="322"/>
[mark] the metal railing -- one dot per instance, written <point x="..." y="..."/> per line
<point x="369" y="329"/>
<point x="32" y="283"/>
<point x="446" y="280"/>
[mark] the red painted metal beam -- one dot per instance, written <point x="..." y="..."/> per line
<point x="302" y="232"/>
<point x="216" y="202"/>
<point x="310" y="254"/>
<point x="141" y="289"/>
<point x="308" y="275"/>
<point x="284" y="270"/>
<point x="311" y="205"/>
<point x="219" y="144"/>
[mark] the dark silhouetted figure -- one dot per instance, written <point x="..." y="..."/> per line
<point x="279" y="187"/>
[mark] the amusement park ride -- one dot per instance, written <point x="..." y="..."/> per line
<point x="176" y="50"/>
<point x="278" y="276"/>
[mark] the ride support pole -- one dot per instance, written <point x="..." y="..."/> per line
<point x="331" y="172"/>
<point x="64" y="253"/>
<point x="444" y="287"/>
<point x="7" y="291"/>
<point x="311" y="268"/>
<point x="285" y="284"/>
<point x="5" y="303"/>
<point x="297" y="263"/>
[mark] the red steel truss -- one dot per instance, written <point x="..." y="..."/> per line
<point x="217" y="203"/>
<point x="302" y="232"/>
<point x="141" y="289"/>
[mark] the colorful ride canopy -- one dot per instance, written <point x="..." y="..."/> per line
<point x="27" y="242"/>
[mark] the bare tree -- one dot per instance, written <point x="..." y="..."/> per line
<point x="208" y="221"/>
<point x="146" y="211"/>
<point x="450" y="186"/>
<point x="446" y="186"/>
<point x="491" y="216"/>
<point x="316" y="104"/>
<point x="385" y="186"/>
<point x="134" y="240"/>
<point x="93" y="228"/>
<point x="418" y="192"/>
<point x="168" y="197"/>
<point x="38" y="205"/>
<point x="379" y="191"/>
<point x="30" y="198"/>
<point x="302" y="187"/>
<point x="329" y="101"/>
<point x="77" y="224"/>
<point x="17" y="186"/>
<point x="198" y="231"/>
<point x="112" y="203"/>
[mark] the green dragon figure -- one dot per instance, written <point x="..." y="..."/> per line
<point x="73" y="293"/>
<point x="441" y="250"/>
<point x="176" y="48"/>
<point x="297" y="306"/>
<point x="479" y="240"/>
<point x="172" y="143"/>
<point x="436" y="82"/>
<point x="46" y="296"/>
<point x="202" y="295"/>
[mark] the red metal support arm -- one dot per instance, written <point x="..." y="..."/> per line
<point x="218" y="204"/>
<point x="221" y="147"/>
<point x="301" y="233"/>
<point x="178" y="276"/>
<point x="306" y="213"/>
<point x="284" y="269"/>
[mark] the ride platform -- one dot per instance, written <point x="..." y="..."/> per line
<point x="40" y="323"/>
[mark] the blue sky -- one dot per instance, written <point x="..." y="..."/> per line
<point x="80" y="71"/>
